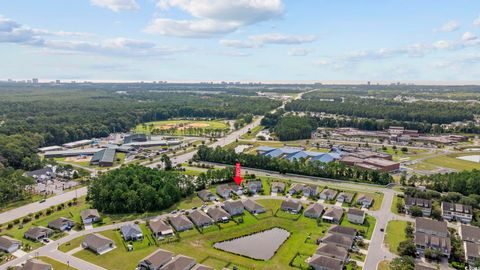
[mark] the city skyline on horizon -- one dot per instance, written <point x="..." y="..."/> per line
<point x="243" y="40"/>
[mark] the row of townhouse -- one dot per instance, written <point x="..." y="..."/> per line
<point x="450" y="211"/>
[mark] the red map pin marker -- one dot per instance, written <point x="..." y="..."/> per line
<point x="238" y="178"/>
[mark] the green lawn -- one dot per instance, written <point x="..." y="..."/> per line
<point x="411" y="154"/>
<point x="393" y="207"/>
<point x="366" y="227"/>
<point x="253" y="133"/>
<point x="451" y="161"/>
<point x="55" y="264"/>
<point x="181" y="126"/>
<point x="190" y="244"/>
<point x="72" y="212"/>
<point x="384" y="265"/>
<point x="70" y="245"/>
<point x="395" y="234"/>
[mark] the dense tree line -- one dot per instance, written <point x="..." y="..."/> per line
<point x="304" y="167"/>
<point x="13" y="185"/>
<point x="19" y="150"/>
<point x="291" y="127"/>
<point x="50" y="116"/>
<point x="464" y="182"/>
<point x="138" y="189"/>
<point x="430" y="112"/>
<point x="211" y="177"/>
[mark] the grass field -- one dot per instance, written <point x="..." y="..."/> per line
<point x="253" y="133"/>
<point x="181" y="127"/>
<point x="451" y="161"/>
<point x="191" y="243"/>
<point x="395" y="234"/>
<point x="55" y="264"/>
<point x="384" y="265"/>
<point x="411" y="154"/>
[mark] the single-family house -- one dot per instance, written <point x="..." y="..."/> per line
<point x="254" y="186"/>
<point x="253" y="207"/>
<point x="328" y="194"/>
<point x="424" y="204"/>
<point x="356" y="216"/>
<point x="180" y="262"/>
<point x="61" y="224"/>
<point x="9" y="244"/>
<point x="200" y="219"/>
<point x="206" y="195"/>
<point x="34" y="264"/>
<point x="234" y="208"/>
<point x="332" y="251"/>
<point x="338" y="240"/>
<point x="345" y="197"/>
<point x="218" y="214"/>
<point x="314" y="211"/>
<point x="181" y="223"/>
<point x="295" y="188"/>
<point x="320" y="262"/>
<point x="365" y="200"/>
<point x="309" y="191"/>
<point x="131" y="232"/>
<point x="90" y="216"/>
<point x="456" y="211"/>
<point x="343" y="230"/>
<point x="37" y="233"/>
<point x="97" y="243"/>
<point x="291" y="206"/>
<point x="224" y="191"/>
<point x="278" y="187"/>
<point x="333" y="215"/>
<point x="202" y="267"/>
<point x="160" y="228"/>
<point x="156" y="260"/>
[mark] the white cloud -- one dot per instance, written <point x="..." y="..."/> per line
<point x="14" y="32"/>
<point x="213" y="17"/>
<point x="116" y="5"/>
<point x="449" y="26"/>
<point x="476" y="22"/>
<point x="468" y="36"/>
<point x="299" y="51"/>
<point x="276" y="38"/>
<point x="190" y="28"/>
<point x="256" y="41"/>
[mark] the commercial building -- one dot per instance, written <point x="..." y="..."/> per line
<point x="77" y="144"/>
<point x="103" y="158"/>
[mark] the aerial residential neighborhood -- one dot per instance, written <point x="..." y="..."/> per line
<point x="239" y="135"/>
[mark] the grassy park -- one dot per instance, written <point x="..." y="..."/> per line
<point x="451" y="161"/>
<point x="182" y="127"/>
<point x="395" y="234"/>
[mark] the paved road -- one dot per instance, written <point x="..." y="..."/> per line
<point x="377" y="251"/>
<point x="22" y="211"/>
<point x="230" y="138"/>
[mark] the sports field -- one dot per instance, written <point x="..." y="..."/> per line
<point x="451" y="161"/>
<point x="182" y="127"/>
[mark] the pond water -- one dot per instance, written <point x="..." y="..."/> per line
<point x="260" y="246"/>
<point x="474" y="158"/>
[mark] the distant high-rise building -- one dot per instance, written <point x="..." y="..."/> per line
<point x="57" y="81"/>
<point x="368" y="83"/>
<point x="35" y="80"/>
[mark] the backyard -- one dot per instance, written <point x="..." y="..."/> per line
<point x="191" y="242"/>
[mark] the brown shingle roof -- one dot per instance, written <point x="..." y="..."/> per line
<point x="431" y="225"/>
<point x="470" y="233"/>
<point x="96" y="241"/>
<point x="326" y="262"/>
<point x="180" y="262"/>
<point x="158" y="258"/>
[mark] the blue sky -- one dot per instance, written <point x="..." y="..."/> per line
<point x="241" y="40"/>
